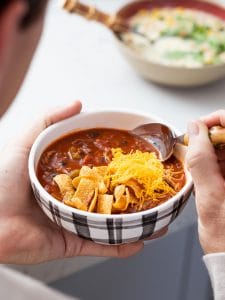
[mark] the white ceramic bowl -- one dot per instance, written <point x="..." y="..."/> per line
<point x="171" y="75"/>
<point x="100" y="228"/>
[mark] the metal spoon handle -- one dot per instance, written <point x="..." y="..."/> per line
<point x="113" y="22"/>
<point x="216" y="135"/>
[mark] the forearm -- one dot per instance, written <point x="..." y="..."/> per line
<point x="215" y="264"/>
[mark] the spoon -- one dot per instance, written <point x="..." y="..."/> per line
<point x="115" y="23"/>
<point x="164" y="139"/>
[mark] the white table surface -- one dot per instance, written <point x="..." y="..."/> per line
<point x="79" y="60"/>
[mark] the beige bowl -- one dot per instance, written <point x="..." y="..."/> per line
<point x="170" y="75"/>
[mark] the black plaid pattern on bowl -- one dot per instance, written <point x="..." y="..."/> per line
<point x="109" y="230"/>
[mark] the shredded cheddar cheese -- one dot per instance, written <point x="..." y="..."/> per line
<point x="144" y="167"/>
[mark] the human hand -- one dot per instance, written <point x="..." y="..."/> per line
<point x="27" y="236"/>
<point x="207" y="167"/>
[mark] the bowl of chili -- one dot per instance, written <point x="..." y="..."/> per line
<point x="82" y="174"/>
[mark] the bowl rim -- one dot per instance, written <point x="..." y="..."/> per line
<point x="131" y="216"/>
<point x="141" y="58"/>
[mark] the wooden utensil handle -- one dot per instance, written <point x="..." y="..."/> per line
<point x="216" y="135"/>
<point x="92" y="13"/>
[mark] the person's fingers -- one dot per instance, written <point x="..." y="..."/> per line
<point x="215" y="118"/>
<point x="222" y="168"/>
<point x="63" y="113"/>
<point x="28" y="136"/>
<point x="126" y="250"/>
<point x="202" y="162"/>
<point x="90" y="248"/>
<point x="76" y="246"/>
<point x="87" y="248"/>
<point x="220" y="153"/>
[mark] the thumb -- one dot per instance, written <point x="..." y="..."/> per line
<point x="59" y="114"/>
<point x="202" y="160"/>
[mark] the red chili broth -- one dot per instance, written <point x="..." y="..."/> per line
<point x="92" y="147"/>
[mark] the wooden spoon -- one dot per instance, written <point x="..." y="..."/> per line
<point x="112" y="21"/>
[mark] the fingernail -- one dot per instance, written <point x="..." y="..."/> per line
<point x="192" y="128"/>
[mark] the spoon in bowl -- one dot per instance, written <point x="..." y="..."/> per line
<point x="115" y="23"/>
<point x="164" y="139"/>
